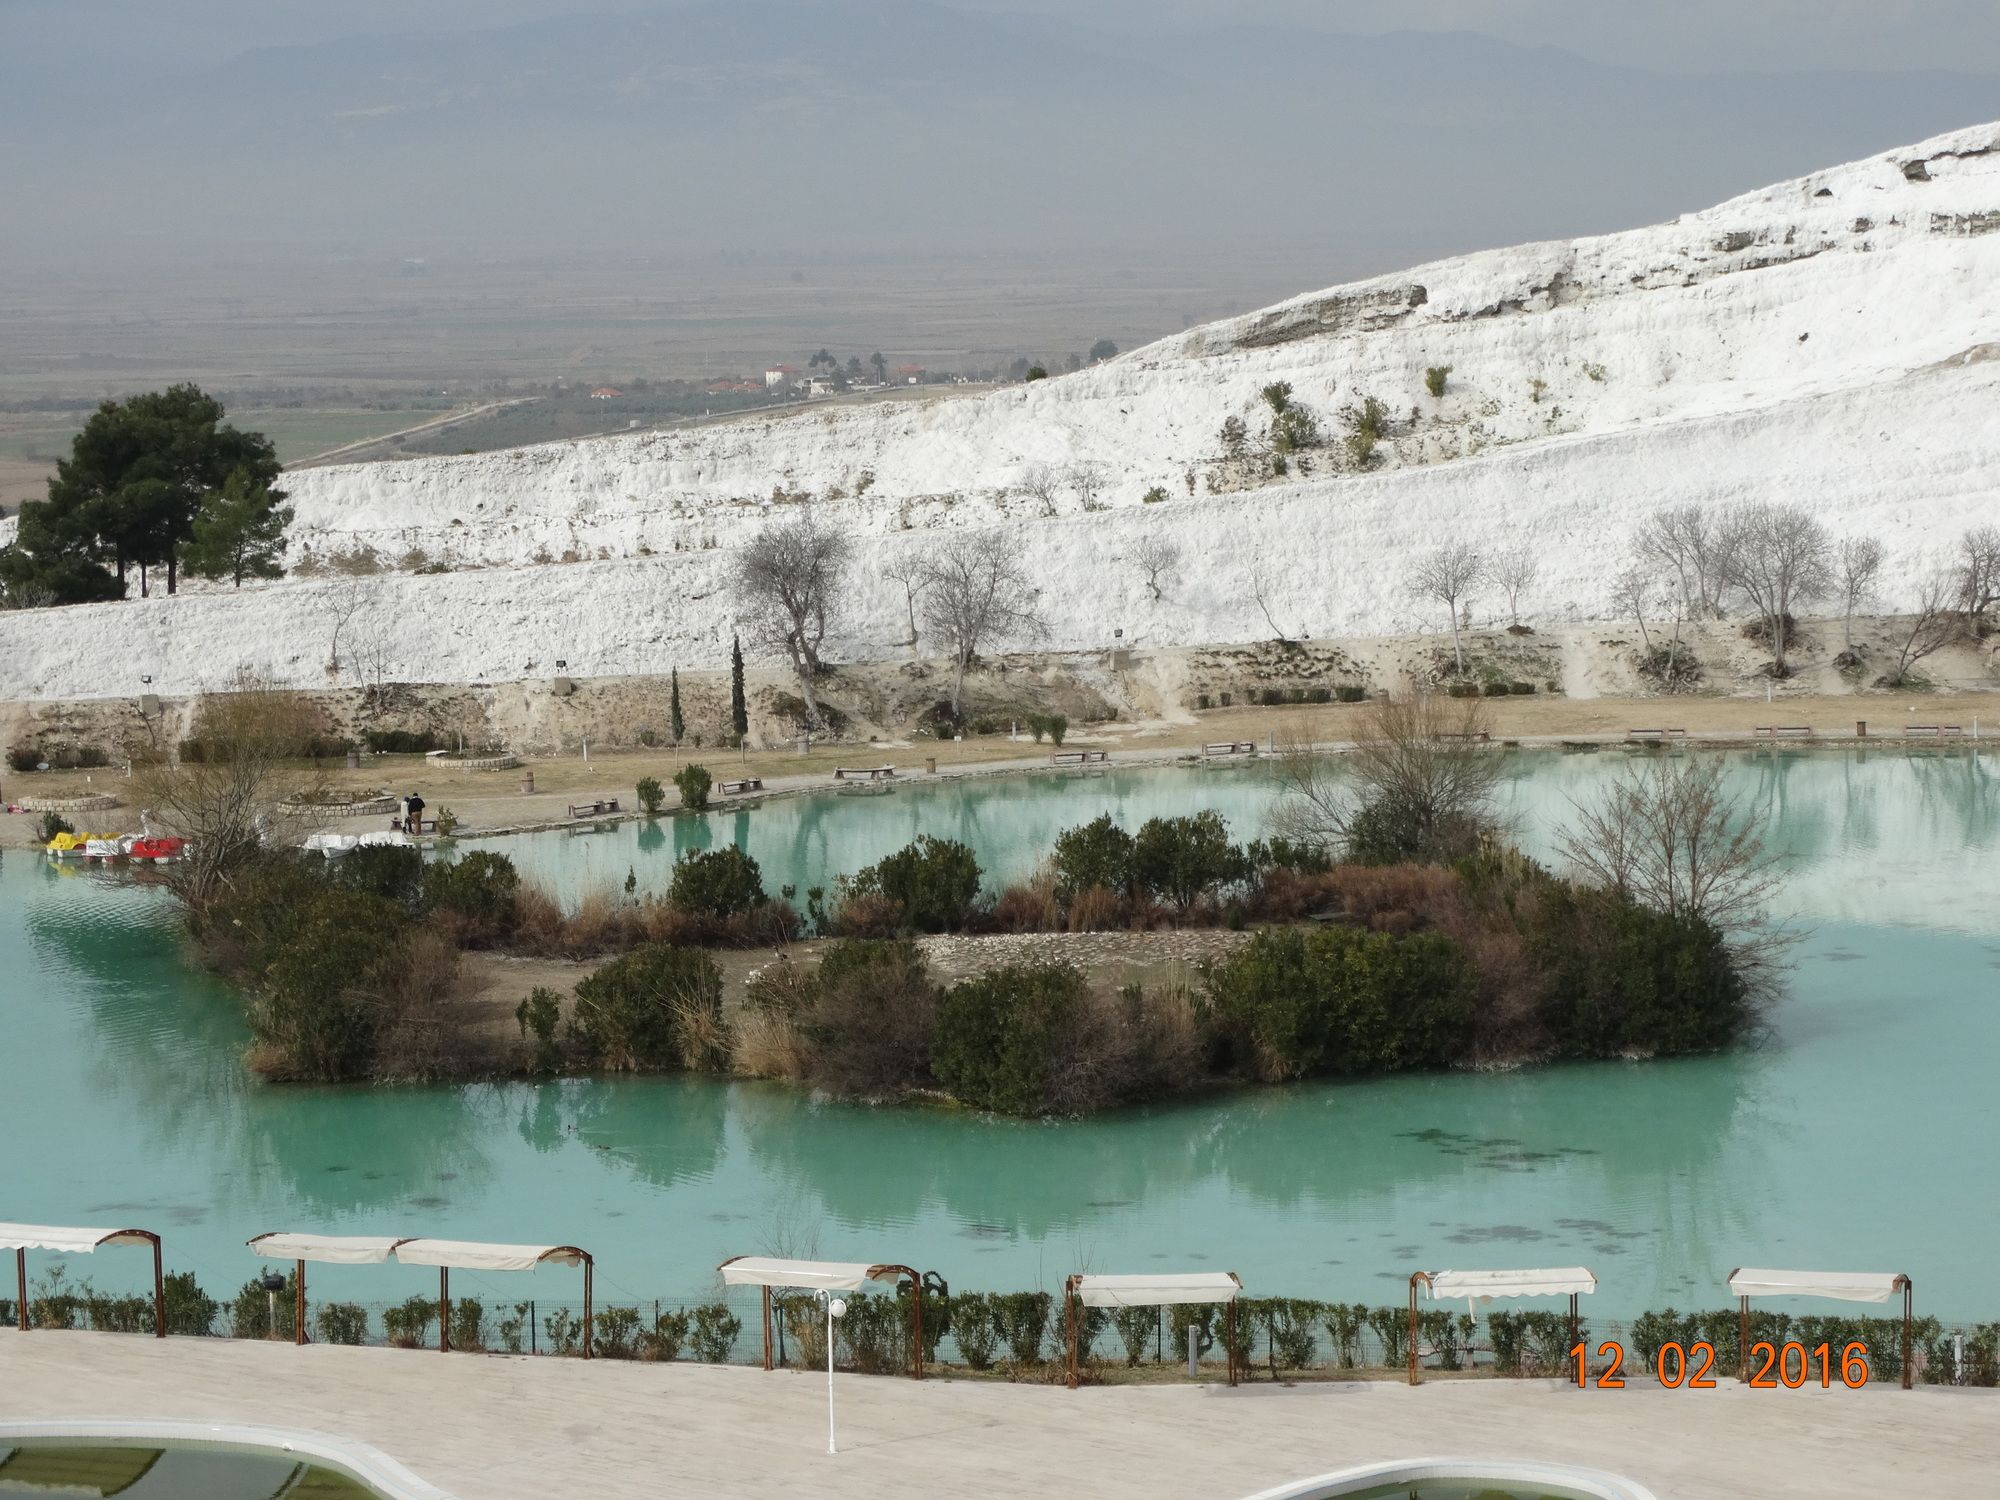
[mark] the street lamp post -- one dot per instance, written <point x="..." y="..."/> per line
<point x="835" y="1308"/>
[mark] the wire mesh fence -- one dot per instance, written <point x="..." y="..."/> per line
<point x="1024" y="1335"/>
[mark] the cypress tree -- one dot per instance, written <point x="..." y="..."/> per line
<point x="675" y="721"/>
<point x="739" y="710"/>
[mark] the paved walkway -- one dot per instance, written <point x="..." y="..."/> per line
<point x="492" y="1428"/>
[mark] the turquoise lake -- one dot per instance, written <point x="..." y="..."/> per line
<point x="1840" y="1141"/>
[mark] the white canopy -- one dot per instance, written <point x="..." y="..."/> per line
<point x="1842" y="1286"/>
<point x="1484" y="1286"/>
<point x="470" y="1255"/>
<point x="1157" y="1291"/>
<point x="813" y="1275"/>
<point x="68" y="1241"/>
<point x="335" y="1249"/>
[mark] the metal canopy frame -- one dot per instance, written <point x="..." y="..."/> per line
<point x="897" y="1276"/>
<point x="103" y="1237"/>
<point x="1426" y="1278"/>
<point x="1073" y="1375"/>
<point x="569" y="1254"/>
<point x="1898" y="1282"/>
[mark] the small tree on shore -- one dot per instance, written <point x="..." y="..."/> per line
<point x="1979" y="570"/>
<point x="676" y="720"/>
<point x="1857" y="568"/>
<point x="788" y="582"/>
<point x="1684" y="540"/>
<point x="1934" y="623"/>
<point x="1515" y="570"/>
<point x="1446" y="576"/>
<point x="1781" y="558"/>
<point x="976" y="593"/>
<point x="739" y="706"/>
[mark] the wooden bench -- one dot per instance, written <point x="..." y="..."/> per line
<point x="1934" y="731"/>
<point x="1786" y="731"/>
<point x="1231" y="747"/>
<point x="1079" y="757"/>
<point x="593" y="809"/>
<point x="741" y="785"/>
<point x="1655" y="734"/>
<point x="865" y="773"/>
<point x="1477" y="737"/>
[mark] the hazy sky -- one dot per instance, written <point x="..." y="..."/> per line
<point x="1694" y="34"/>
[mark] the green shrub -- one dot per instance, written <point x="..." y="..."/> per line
<point x="1319" y="695"/>
<point x="694" y="783"/>
<point x="1201" y="700"/>
<point x="395" y="874"/>
<point x="712" y="1333"/>
<point x="1391" y="1327"/>
<point x="1341" y="1000"/>
<point x="1058" y="726"/>
<point x="1001" y="1036"/>
<point x="479" y="889"/>
<point x="408" y="1326"/>
<point x="1138" y="1330"/>
<point x="876" y="1333"/>
<point x="562" y="1332"/>
<point x="106" y="1314"/>
<point x="1022" y="1320"/>
<point x="1622" y="978"/>
<point x="1270" y="697"/>
<point x="1435" y="378"/>
<point x="1461" y="690"/>
<point x="1521" y="689"/>
<point x="617" y="1335"/>
<point x="23" y="757"/>
<point x="664" y="1339"/>
<point x="538" y="1016"/>
<point x="1182" y="859"/>
<point x="1204" y="1316"/>
<point x="652" y="796"/>
<point x="1288" y="1330"/>
<point x="1095" y="853"/>
<point x="657" y="1007"/>
<point x="54" y="823"/>
<point x="399" y="741"/>
<point x="468" y="1325"/>
<point x="190" y="1311"/>
<point x="1154" y="496"/>
<point x="250" y="1314"/>
<point x="316" y="1008"/>
<point x="1350" y="693"/>
<point x="933" y="882"/>
<point x="1343" y="1323"/>
<point x="1495" y="689"/>
<point x="717" y="882"/>
<point x="973" y="1329"/>
<point x="341" y="1323"/>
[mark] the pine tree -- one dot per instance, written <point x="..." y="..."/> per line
<point x="739" y="710"/>
<point x="675" y="721"/>
<point x="239" y="532"/>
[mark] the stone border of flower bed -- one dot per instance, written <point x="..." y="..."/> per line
<point x="505" y="762"/>
<point x="372" y="806"/>
<point x="91" y="802"/>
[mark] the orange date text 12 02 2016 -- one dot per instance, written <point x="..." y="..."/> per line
<point x="1691" y="1367"/>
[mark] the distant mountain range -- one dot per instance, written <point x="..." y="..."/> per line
<point x="883" y="124"/>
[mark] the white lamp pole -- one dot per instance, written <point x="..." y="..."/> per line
<point x="835" y="1308"/>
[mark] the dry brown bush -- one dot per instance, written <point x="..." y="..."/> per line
<point x="866" y="916"/>
<point x="1096" y="909"/>
<point x="423" y="1035"/>
<point x="1030" y="906"/>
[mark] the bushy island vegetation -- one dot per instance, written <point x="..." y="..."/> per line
<point x="1389" y="928"/>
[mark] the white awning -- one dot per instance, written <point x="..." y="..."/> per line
<point x="67" y="1241"/>
<point x="334" y="1249"/>
<point x="1484" y="1286"/>
<point x="1841" y="1286"/>
<point x="470" y="1255"/>
<point x="812" y="1275"/>
<point x="1158" y="1291"/>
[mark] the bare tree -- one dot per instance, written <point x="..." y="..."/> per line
<point x="1857" y="567"/>
<point x="908" y="570"/>
<point x="1155" y="555"/>
<point x="1515" y="571"/>
<point x="1669" y="837"/>
<point x="974" y="594"/>
<point x="1260" y="591"/>
<point x="1634" y="592"/>
<point x="343" y="603"/>
<point x="1682" y="538"/>
<point x="1087" y="479"/>
<point x="1446" y="576"/>
<point x="1418" y="783"/>
<point x="1044" y="483"/>
<point x="1781" y="557"/>
<point x="1933" y="625"/>
<point x="226" y="803"/>
<point x="1979" y="570"/>
<point x="787" y="583"/>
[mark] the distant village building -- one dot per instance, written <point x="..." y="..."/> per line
<point x="779" y="375"/>
<point x="909" y="374"/>
<point x="606" y="393"/>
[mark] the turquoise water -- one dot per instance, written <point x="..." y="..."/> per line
<point x="1844" y="1140"/>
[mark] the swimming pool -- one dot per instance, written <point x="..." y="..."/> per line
<point x="197" y="1461"/>
<point x="1460" y="1479"/>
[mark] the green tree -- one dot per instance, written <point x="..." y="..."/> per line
<point x="128" y="494"/>
<point x="239" y="532"/>
<point x="1103" y="349"/>
<point x="676" y="720"/>
<point x="1182" y="859"/>
<point x="879" y="365"/>
<point x="739" y="709"/>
